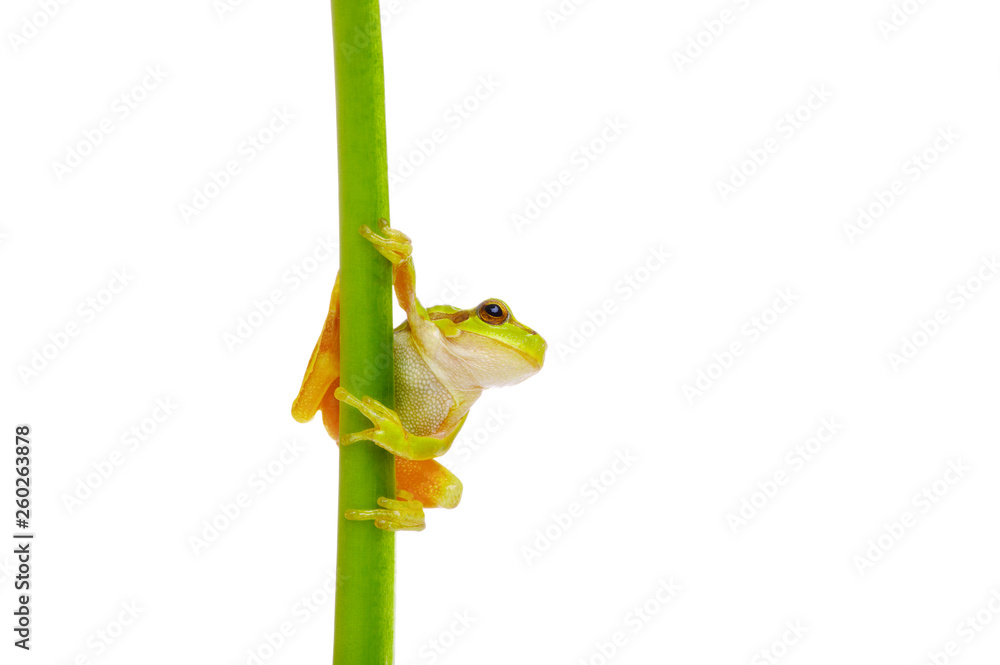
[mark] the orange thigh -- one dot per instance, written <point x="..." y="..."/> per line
<point x="430" y="483"/>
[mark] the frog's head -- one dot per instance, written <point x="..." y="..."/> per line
<point x="495" y="348"/>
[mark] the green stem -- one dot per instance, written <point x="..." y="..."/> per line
<point x="365" y="555"/>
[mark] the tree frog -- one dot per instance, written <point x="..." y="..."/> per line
<point x="444" y="357"/>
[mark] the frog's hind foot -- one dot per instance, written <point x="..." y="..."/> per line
<point x="401" y="514"/>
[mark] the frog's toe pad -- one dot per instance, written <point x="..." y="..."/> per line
<point x="395" y="515"/>
<point x="395" y="246"/>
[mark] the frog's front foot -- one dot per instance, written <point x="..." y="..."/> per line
<point x="401" y="514"/>
<point x="395" y="246"/>
<point x="388" y="431"/>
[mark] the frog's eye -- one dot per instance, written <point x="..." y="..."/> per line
<point x="493" y="312"/>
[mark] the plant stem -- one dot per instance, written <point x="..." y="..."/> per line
<point x="365" y="555"/>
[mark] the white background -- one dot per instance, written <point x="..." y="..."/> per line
<point x="805" y="556"/>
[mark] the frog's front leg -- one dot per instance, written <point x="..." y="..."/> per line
<point x="396" y="247"/>
<point x="403" y="513"/>
<point x="388" y="431"/>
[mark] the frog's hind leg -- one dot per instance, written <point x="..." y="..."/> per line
<point x="322" y="375"/>
<point x="430" y="483"/>
<point x="331" y="410"/>
<point x="419" y="484"/>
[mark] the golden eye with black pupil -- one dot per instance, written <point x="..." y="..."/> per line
<point x="493" y="312"/>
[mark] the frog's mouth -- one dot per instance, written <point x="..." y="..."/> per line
<point x="523" y="327"/>
<point x="530" y="347"/>
<point x="533" y="348"/>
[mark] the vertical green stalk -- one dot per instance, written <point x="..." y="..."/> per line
<point x="365" y="555"/>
